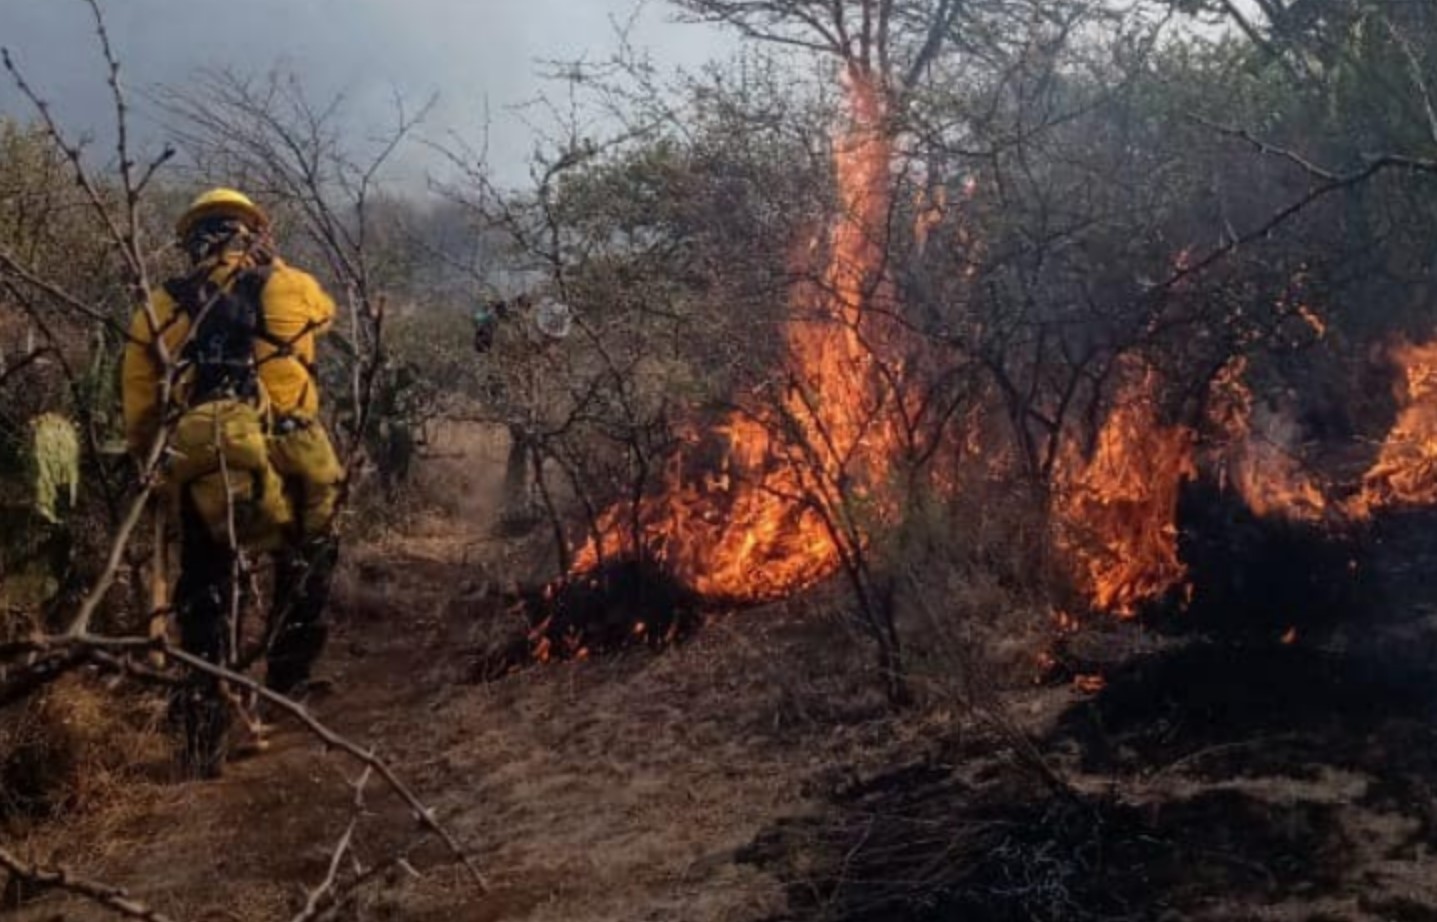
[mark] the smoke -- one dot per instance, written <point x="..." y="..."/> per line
<point x="479" y="56"/>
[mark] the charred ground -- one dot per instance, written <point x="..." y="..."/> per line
<point x="1266" y="751"/>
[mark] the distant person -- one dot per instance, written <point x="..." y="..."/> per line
<point x="534" y="327"/>
<point x="251" y="465"/>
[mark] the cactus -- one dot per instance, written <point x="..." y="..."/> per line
<point x="55" y="465"/>
<point x="36" y="543"/>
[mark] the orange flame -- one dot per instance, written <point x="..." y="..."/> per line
<point x="1313" y="321"/>
<point x="1260" y="460"/>
<point x="751" y="532"/>
<point x="1116" y="512"/>
<point x="1405" y="473"/>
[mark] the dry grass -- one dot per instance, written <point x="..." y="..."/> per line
<point x="71" y="748"/>
<point x="974" y="605"/>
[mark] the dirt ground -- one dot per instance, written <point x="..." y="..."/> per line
<point x="615" y="789"/>
<point x="753" y="773"/>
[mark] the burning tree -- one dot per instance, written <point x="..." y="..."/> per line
<point x="792" y="484"/>
<point x="957" y="284"/>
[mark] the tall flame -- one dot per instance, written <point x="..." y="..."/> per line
<point x="751" y="530"/>
<point x="1116" y="512"/>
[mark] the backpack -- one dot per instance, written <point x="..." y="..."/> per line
<point x="220" y="470"/>
<point x="223" y="327"/>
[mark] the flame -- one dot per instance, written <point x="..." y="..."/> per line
<point x="762" y="525"/>
<point x="1260" y="460"/>
<point x="1065" y="623"/>
<point x="1313" y="321"/>
<point x="1405" y="472"/>
<point x="1116" y="512"/>
<point x="1090" y="684"/>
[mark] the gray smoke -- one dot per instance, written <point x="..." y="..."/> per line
<point x="472" y="52"/>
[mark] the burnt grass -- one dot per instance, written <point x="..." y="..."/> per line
<point x="1173" y="833"/>
<point x="1202" y="775"/>
<point x="931" y="848"/>
<point x="622" y="605"/>
<point x="1255" y="578"/>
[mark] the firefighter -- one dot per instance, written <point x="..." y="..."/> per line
<point x="250" y="465"/>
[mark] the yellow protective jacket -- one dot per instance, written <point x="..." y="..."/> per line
<point x="296" y="311"/>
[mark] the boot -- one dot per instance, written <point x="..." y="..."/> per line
<point x="302" y="587"/>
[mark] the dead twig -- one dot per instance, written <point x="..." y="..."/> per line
<point x="112" y="898"/>
<point x="326" y="893"/>
<point x="1266" y="147"/>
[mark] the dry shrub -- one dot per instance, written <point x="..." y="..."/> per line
<point x="973" y="601"/>
<point x="70" y="746"/>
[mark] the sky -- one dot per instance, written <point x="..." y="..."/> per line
<point x="478" y="55"/>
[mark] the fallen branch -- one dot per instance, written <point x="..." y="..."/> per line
<point x="112" y="898"/>
<point x="37" y="675"/>
<point x="325" y="893"/>
<point x="364" y="877"/>
<point x="367" y="757"/>
<point x="322" y="894"/>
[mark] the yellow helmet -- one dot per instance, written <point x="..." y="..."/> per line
<point x="221" y="202"/>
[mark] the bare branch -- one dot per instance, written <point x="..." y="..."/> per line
<point x="943" y="21"/>
<point x="1415" y="70"/>
<point x="1265" y="147"/>
<point x="322" y="894"/>
<point x="1337" y="183"/>
<point x="326" y="893"/>
<point x="11" y="265"/>
<point x="112" y="898"/>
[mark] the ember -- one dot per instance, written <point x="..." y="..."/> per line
<point x="624" y="605"/>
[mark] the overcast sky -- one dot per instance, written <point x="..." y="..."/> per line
<point x="466" y="50"/>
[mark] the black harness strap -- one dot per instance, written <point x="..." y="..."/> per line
<point x="225" y="323"/>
